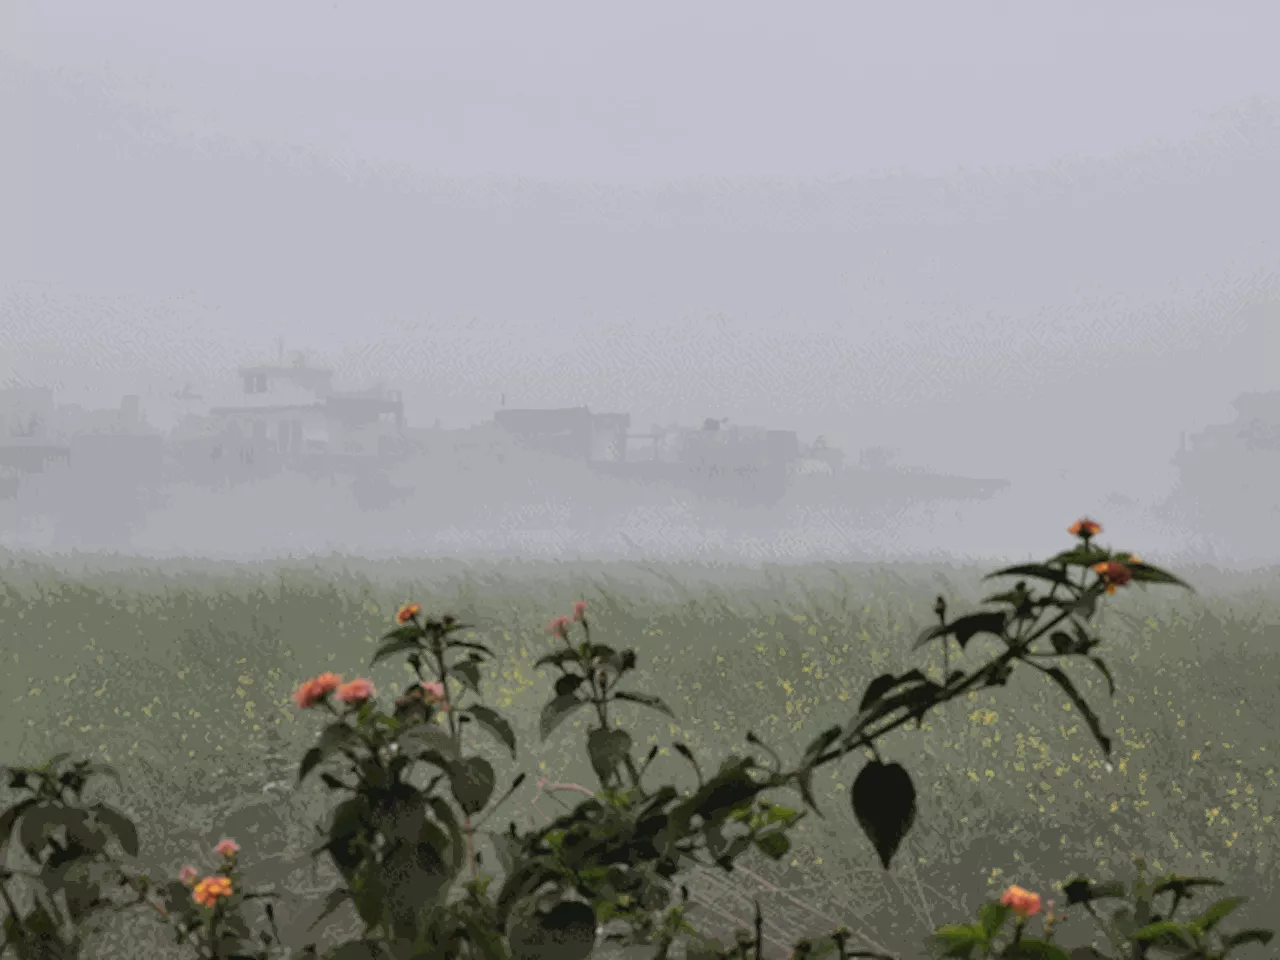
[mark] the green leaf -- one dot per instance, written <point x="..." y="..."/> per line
<point x="1166" y="933"/>
<point x="608" y="749"/>
<point x="1091" y="718"/>
<point x="120" y="825"/>
<point x="556" y="710"/>
<point x="966" y="628"/>
<point x="775" y="845"/>
<point x="557" y="658"/>
<point x="1081" y="556"/>
<point x="1251" y="935"/>
<point x="882" y="684"/>
<point x="992" y="916"/>
<point x="566" y="932"/>
<point x="472" y="783"/>
<point x="1082" y="890"/>
<point x="1038" y="570"/>
<point x="568" y="684"/>
<point x="332" y="903"/>
<point x="1034" y="948"/>
<point x="468" y="673"/>
<point x="1105" y="671"/>
<point x="367" y="949"/>
<point x="427" y="741"/>
<point x="333" y="739"/>
<point x="645" y="699"/>
<point x="470" y="645"/>
<point x="10" y="817"/>
<point x="408" y="631"/>
<point x="822" y="741"/>
<point x="414" y="877"/>
<point x="884" y="803"/>
<point x="1145" y="573"/>
<point x="958" y="939"/>
<point x="496" y="724"/>
<point x="1216" y="912"/>
<point x="1183" y="885"/>
<point x="398" y="645"/>
<point x="444" y="813"/>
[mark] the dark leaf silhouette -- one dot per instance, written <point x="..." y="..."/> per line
<point x="884" y="802"/>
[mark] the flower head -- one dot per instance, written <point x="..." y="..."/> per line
<point x="356" y="691"/>
<point x="1084" y="528"/>
<point x="187" y="876"/>
<point x="1023" y="902"/>
<point x="579" y="609"/>
<point x="558" y="626"/>
<point x="227" y="848"/>
<point x="1113" y="573"/>
<point x="210" y="890"/>
<point x="316" y="689"/>
<point x="434" y="692"/>
<point x="408" y="612"/>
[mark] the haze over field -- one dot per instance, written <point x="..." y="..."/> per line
<point x="1006" y="242"/>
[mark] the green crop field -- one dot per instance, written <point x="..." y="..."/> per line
<point x="181" y="675"/>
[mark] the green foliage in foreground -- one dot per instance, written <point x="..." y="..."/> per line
<point x="414" y="793"/>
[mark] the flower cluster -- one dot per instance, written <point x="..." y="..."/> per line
<point x="317" y="689"/>
<point x="208" y="891"/>
<point x="1023" y="902"/>
<point x="559" y="626"/>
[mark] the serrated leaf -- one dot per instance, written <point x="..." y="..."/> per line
<point x="884" y="803"/>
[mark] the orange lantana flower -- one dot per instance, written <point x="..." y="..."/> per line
<point x="1024" y="902"/>
<point x="1085" y="528"/>
<point x="316" y="689"/>
<point x="356" y="691"/>
<point x="408" y="612"/>
<point x="210" y="890"/>
<point x="1113" y="573"/>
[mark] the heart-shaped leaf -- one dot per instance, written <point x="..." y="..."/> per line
<point x="884" y="802"/>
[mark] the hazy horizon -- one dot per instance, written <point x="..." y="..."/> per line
<point x="944" y="236"/>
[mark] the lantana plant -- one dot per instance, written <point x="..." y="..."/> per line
<point x="413" y="796"/>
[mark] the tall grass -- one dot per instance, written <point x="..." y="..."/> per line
<point x="181" y="675"/>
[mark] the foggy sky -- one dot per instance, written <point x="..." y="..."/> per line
<point x="888" y="224"/>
